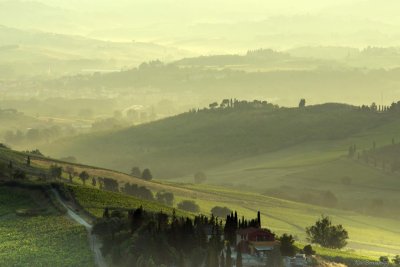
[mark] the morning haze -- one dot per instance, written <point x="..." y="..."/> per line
<point x="199" y="133"/>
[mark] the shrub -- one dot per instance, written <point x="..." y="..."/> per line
<point x="308" y="250"/>
<point x="221" y="212"/>
<point x="165" y="198"/>
<point x="189" y="205"/>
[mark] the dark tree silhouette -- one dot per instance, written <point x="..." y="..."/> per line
<point x="308" y="250"/>
<point x="326" y="234"/>
<point x="84" y="176"/>
<point x="302" y="103"/>
<point x="287" y="245"/>
<point x="146" y="175"/>
<point x="56" y="171"/>
<point x="189" y="205"/>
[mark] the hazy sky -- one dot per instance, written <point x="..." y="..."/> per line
<point x="216" y="25"/>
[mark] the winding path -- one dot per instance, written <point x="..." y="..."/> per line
<point x="95" y="244"/>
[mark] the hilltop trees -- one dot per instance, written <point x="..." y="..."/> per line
<point x="326" y="234"/>
<point x="136" y="172"/>
<point x="146" y="175"/>
<point x="71" y="172"/>
<point x="302" y="103"/>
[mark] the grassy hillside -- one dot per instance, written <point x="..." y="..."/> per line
<point x="44" y="239"/>
<point x="202" y="140"/>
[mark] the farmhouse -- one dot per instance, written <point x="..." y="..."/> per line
<point x="257" y="245"/>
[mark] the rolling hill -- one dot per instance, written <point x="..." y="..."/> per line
<point x="296" y="154"/>
<point x="282" y="216"/>
<point x="196" y="141"/>
<point x="32" y="52"/>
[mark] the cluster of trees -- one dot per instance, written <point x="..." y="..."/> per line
<point x="145" y="175"/>
<point x="240" y="104"/>
<point x="141" y="238"/>
<point x="233" y="223"/>
<point x="138" y="191"/>
<point x="394" y="107"/>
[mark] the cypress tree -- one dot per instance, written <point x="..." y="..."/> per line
<point x="106" y="213"/>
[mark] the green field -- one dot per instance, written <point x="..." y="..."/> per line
<point x="48" y="239"/>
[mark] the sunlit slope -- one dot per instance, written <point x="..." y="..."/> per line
<point x="369" y="235"/>
<point x="203" y="140"/>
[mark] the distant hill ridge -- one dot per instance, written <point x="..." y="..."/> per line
<point x="207" y="138"/>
